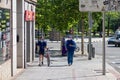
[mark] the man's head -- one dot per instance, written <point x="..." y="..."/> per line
<point x="41" y="38"/>
<point x="70" y="37"/>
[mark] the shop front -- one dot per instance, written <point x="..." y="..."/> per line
<point x="26" y="32"/>
<point x="17" y="28"/>
<point x="4" y="35"/>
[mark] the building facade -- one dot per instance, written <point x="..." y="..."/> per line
<point x="17" y="36"/>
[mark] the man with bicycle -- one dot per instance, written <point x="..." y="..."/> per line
<point x="42" y="45"/>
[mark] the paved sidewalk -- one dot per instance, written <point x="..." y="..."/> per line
<point x="82" y="69"/>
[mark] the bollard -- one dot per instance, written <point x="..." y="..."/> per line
<point x="89" y="51"/>
<point x="88" y="48"/>
<point x="93" y="52"/>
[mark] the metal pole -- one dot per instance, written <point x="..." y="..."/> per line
<point x="38" y="31"/>
<point x="104" y="66"/>
<point x="108" y="25"/>
<point x="90" y="26"/>
<point x="11" y="31"/>
<point x="82" y="40"/>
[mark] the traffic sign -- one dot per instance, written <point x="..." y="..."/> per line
<point x="99" y="5"/>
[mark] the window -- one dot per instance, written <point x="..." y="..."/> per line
<point x="4" y="34"/>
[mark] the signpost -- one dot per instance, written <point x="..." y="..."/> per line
<point x="104" y="55"/>
<point x="98" y="6"/>
<point x="90" y="27"/>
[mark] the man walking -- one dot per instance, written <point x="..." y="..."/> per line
<point x="42" y="45"/>
<point x="71" y="45"/>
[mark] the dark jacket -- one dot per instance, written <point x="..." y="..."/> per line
<point x="42" y="45"/>
<point x="71" y="45"/>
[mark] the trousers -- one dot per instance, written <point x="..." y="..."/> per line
<point x="70" y="57"/>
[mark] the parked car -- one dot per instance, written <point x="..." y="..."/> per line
<point x="117" y="41"/>
<point x="111" y="40"/>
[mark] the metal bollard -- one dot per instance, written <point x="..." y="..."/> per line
<point x="88" y="48"/>
<point x="93" y="52"/>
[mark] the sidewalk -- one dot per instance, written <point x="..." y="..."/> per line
<point x="82" y="69"/>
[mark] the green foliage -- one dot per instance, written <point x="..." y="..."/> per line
<point x="58" y="14"/>
<point x="63" y="15"/>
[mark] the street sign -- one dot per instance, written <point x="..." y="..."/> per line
<point x="99" y="5"/>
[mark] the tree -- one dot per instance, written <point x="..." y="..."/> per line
<point x="58" y="14"/>
<point x="63" y="15"/>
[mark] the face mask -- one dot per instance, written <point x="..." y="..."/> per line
<point x="70" y="38"/>
<point x="41" y="40"/>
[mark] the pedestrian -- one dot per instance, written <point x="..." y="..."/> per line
<point x="42" y="44"/>
<point x="64" y="51"/>
<point x="71" y="45"/>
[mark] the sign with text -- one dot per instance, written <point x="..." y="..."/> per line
<point x="29" y="15"/>
<point x="99" y="5"/>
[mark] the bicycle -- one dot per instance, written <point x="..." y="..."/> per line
<point x="77" y="49"/>
<point x="47" y="55"/>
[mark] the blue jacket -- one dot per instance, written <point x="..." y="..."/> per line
<point x="71" y="45"/>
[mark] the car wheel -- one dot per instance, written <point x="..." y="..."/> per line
<point x="115" y="45"/>
<point x="119" y="45"/>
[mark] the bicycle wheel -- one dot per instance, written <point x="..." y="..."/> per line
<point x="77" y="49"/>
<point x="48" y="60"/>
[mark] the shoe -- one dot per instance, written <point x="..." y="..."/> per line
<point x="39" y="64"/>
<point x="42" y="63"/>
<point x="69" y="64"/>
